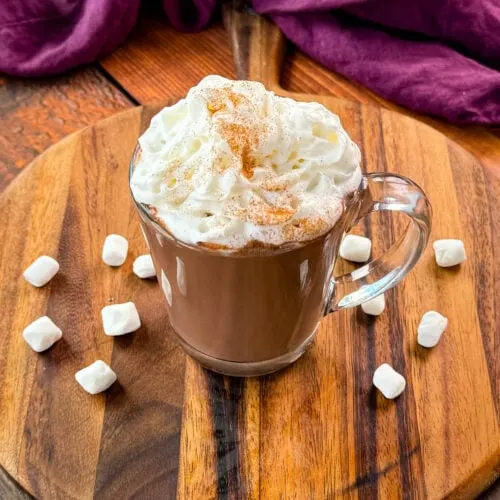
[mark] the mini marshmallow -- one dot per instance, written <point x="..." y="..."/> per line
<point x="355" y="248"/>
<point x="42" y="334"/>
<point x="388" y="381"/>
<point x="431" y="327"/>
<point x="374" y="307"/>
<point x="119" y="319"/>
<point x="41" y="271"/>
<point x="96" y="377"/>
<point x="114" y="250"/>
<point x="143" y="266"/>
<point x="449" y="252"/>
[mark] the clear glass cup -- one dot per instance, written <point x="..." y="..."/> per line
<point x="253" y="312"/>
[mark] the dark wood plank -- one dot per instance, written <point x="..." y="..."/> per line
<point x="35" y="114"/>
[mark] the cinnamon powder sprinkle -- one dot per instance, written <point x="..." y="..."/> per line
<point x="265" y="215"/>
<point x="299" y="227"/>
<point x="275" y="185"/>
<point x="241" y="134"/>
<point x="274" y="215"/>
<point x="217" y="99"/>
<point x="243" y="140"/>
<point x="212" y="246"/>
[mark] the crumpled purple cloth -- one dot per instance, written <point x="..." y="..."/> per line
<point x="438" y="57"/>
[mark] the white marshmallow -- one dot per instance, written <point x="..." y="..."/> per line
<point x="119" y="319"/>
<point x="449" y="252"/>
<point x="431" y="327"/>
<point x="41" y="271"/>
<point x="388" y="381"/>
<point x="114" y="250"/>
<point x="42" y="334"/>
<point x="355" y="248"/>
<point x="374" y="307"/>
<point x="143" y="266"/>
<point x="96" y="377"/>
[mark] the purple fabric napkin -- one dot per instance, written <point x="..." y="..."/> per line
<point x="424" y="67"/>
<point x="43" y="37"/>
<point x="437" y="57"/>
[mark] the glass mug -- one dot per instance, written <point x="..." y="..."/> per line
<point x="254" y="312"/>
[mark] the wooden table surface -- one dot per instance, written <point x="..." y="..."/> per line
<point x="157" y="64"/>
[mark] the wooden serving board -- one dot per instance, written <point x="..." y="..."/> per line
<point x="316" y="430"/>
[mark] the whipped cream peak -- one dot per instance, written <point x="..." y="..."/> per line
<point x="233" y="164"/>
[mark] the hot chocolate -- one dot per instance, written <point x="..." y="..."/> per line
<point x="244" y="197"/>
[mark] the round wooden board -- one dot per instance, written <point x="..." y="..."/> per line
<point x="316" y="430"/>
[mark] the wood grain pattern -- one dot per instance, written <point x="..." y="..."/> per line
<point x="66" y="444"/>
<point x="258" y="47"/>
<point x="34" y="114"/>
<point x="317" y="429"/>
<point x="385" y="466"/>
<point x="180" y="59"/>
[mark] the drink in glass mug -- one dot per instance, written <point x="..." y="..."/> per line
<point x="244" y="198"/>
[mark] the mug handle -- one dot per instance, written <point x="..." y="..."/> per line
<point x="394" y="193"/>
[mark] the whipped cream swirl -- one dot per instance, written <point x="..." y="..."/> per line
<point x="233" y="164"/>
